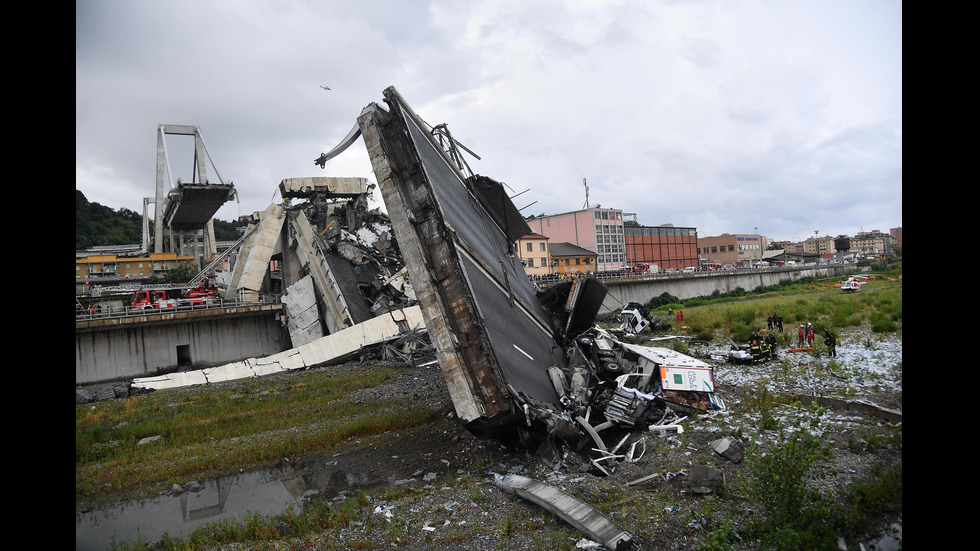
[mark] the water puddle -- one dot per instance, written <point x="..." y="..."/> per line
<point x="891" y="540"/>
<point x="264" y="493"/>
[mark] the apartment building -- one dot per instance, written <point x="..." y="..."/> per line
<point x="872" y="243"/>
<point x="599" y="230"/>
<point x="532" y="249"/>
<point x="728" y="248"/>
<point x="109" y="265"/>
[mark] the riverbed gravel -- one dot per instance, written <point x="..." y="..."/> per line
<point x="446" y="476"/>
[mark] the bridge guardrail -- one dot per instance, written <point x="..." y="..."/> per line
<point x="127" y="311"/>
<point x="544" y="281"/>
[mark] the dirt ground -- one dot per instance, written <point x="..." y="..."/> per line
<point x="456" y="505"/>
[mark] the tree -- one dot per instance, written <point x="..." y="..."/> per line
<point x="182" y="273"/>
<point x="98" y="225"/>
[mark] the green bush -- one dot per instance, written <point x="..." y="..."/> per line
<point x="795" y="516"/>
<point x="663" y="300"/>
<point x="882" y="323"/>
<point x="741" y="332"/>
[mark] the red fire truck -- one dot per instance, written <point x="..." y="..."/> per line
<point x="172" y="296"/>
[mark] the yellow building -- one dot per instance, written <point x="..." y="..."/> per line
<point x="532" y="249"/>
<point x="572" y="259"/>
<point x="109" y="265"/>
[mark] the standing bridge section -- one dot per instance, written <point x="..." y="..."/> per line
<point x="182" y="221"/>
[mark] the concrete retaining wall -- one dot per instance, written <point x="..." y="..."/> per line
<point x="700" y="284"/>
<point x="151" y="349"/>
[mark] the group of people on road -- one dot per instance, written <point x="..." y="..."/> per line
<point x="556" y="277"/>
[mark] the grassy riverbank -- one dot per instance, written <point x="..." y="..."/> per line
<point x="148" y="443"/>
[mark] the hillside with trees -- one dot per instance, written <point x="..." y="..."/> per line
<point x="99" y="225"/>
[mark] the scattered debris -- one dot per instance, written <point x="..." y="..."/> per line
<point x="705" y="479"/>
<point x="634" y="318"/>
<point x="729" y="448"/>
<point x="584" y="518"/>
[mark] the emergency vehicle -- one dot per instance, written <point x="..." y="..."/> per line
<point x="172" y="296"/>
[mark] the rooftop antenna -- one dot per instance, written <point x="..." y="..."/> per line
<point x="584" y="183"/>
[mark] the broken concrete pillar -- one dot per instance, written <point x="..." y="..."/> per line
<point x="253" y="260"/>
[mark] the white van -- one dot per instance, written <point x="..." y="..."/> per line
<point x="690" y="270"/>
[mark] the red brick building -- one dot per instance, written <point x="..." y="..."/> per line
<point x="666" y="246"/>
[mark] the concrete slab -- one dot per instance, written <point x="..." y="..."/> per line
<point x="303" y="321"/>
<point x="229" y="372"/>
<point x="330" y="186"/>
<point x="254" y="258"/>
<point x="342" y="345"/>
<point x="172" y="380"/>
<point x="267" y="369"/>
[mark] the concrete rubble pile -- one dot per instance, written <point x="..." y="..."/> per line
<point x="344" y="288"/>
<point x="520" y="361"/>
<point x="345" y="248"/>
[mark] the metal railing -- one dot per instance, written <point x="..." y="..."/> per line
<point x="626" y="275"/>
<point x="111" y="312"/>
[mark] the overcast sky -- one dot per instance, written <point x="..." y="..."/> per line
<point x="729" y="116"/>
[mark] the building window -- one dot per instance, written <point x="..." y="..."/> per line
<point x="530" y="262"/>
<point x="544" y="247"/>
<point x="530" y="247"/>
